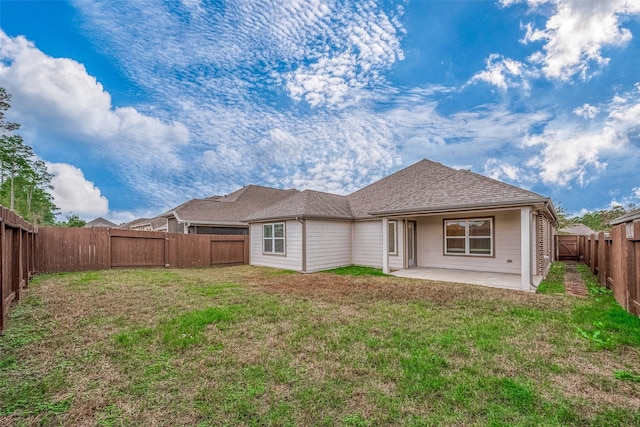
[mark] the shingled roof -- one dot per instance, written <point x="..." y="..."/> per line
<point x="307" y="204"/>
<point x="424" y="187"/>
<point x="429" y="186"/>
<point x="228" y="210"/>
<point x="100" y="222"/>
<point x="628" y="217"/>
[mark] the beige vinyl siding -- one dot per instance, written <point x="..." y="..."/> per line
<point x="396" y="262"/>
<point x="292" y="260"/>
<point x="367" y="243"/>
<point x="328" y="244"/>
<point x="506" y="240"/>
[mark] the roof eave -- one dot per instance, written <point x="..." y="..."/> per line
<point x="297" y="217"/>
<point x="216" y="224"/>
<point x="460" y="208"/>
<point x="626" y="219"/>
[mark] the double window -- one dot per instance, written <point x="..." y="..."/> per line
<point x="273" y="238"/>
<point x="468" y="237"/>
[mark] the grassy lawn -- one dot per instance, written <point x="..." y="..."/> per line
<point x="256" y="346"/>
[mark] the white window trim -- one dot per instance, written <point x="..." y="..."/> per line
<point x="392" y="225"/>
<point x="467" y="238"/>
<point x="273" y="238"/>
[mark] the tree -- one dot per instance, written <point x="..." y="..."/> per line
<point x="4" y="106"/>
<point x="563" y="220"/>
<point x="24" y="180"/>
<point x="15" y="159"/>
<point x="599" y="220"/>
<point x="74" y="221"/>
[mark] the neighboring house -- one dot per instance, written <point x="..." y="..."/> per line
<point x="223" y="214"/>
<point x="100" y="222"/>
<point x="146" y="224"/>
<point x="140" y="224"/>
<point x="632" y="216"/>
<point x="426" y="215"/>
<point x="629" y="219"/>
<point x="577" y="229"/>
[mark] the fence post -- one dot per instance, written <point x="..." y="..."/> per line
<point x="619" y="267"/>
<point x="594" y="254"/>
<point x="2" y="261"/>
<point x="167" y="264"/>
<point x="17" y="263"/>
<point x="602" y="259"/>
<point x="634" y="284"/>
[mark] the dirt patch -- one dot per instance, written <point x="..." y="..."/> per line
<point x="573" y="282"/>
<point x="337" y="289"/>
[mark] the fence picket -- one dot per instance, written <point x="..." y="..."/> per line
<point x="17" y="259"/>
<point x="616" y="261"/>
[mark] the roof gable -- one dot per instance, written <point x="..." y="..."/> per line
<point x="99" y="222"/>
<point x="231" y="209"/>
<point x="306" y="204"/>
<point x="430" y="186"/>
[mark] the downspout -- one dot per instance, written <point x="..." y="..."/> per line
<point x="304" y="243"/>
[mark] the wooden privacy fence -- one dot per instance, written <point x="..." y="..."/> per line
<point x="570" y="247"/>
<point x="616" y="262"/>
<point x="17" y="259"/>
<point x="83" y="249"/>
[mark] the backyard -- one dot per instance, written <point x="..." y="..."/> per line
<point x="257" y="346"/>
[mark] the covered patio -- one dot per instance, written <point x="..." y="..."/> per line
<point x="495" y="280"/>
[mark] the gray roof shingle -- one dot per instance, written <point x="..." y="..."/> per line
<point x="100" y="222"/>
<point x="628" y="217"/>
<point x="306" y="204"/>
<point x="425" y="186"/>
<point x="231" y="209"/>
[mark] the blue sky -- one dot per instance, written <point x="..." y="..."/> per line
<point x="138" y="106"/>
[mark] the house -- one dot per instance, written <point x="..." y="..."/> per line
<point x="577" y="230"/>
<point x="629" y="219"/>
<point x="99" y="222"/>
<point x="222" y="214"/>
<point x="631" y="216"/>
<point x="146" y="224"/>
<point x="426" y="216"/>
<point x="140" y="224"/>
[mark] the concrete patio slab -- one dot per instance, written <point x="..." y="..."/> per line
<point x="494" y="280"/>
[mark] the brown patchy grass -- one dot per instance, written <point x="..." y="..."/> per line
<point x="254" y="346"/>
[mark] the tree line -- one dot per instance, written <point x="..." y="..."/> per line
<point x="24" y="180"/>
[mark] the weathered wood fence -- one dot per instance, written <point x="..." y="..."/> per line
<point x="570" y="247"/>
<point x="616" y="262"/>
<point x="17" y="259"/>
<point x="83" y="249"/>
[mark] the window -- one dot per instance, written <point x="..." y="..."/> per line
<point x="468" y="237"/>
<point x="392" y="238"/>
<point x="273" y="238"/>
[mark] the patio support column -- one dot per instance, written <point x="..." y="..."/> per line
<point x="385" y="245"/>
<point x="525" y="248"/>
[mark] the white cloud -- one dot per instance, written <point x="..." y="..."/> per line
<point x="366" y="42"/>
<point x="586" y="111"/>
<point x="576" y="34"/>
<point x="636" y="192"/>
<point x="497" y="169"/>
<point x="504" y="73"/>
<point x="571" y="152"/>
<point x="74" y="194"/>
<point x="56" y="96"/>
